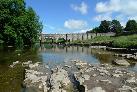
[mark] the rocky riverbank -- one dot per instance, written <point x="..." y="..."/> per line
<point x="78" y="76"/>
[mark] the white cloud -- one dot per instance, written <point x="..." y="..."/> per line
<point x="82" y="8"/>
<point x="75" y="24"/>
<point x="127" y="7"/>
<point x="106" y="16"/>
<point x="85" y="30"/>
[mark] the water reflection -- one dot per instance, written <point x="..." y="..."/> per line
<point x="53" y="54"/>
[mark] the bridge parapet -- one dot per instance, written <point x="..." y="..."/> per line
<point x="75" y="36"/>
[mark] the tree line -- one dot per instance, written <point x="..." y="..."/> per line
<point x="18" y="24"/>
<point x="115" y="26"/>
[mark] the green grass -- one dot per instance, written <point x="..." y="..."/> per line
<point x="98" y="39"/>
<point x="129" y="41"/>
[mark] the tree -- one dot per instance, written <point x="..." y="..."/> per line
<point x="116" y="27"/>
<point x="105" y="26"/>
<point x="131" y="26"/>
<point x="18" y="24"/>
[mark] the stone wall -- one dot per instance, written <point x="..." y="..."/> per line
<point x="75" y="36"/>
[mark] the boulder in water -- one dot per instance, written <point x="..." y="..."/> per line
<point x="122" y="62"/>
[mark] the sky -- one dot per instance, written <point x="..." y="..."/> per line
<point x="79" y="16"/>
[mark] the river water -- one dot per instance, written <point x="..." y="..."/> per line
<point x="11" y="78"/>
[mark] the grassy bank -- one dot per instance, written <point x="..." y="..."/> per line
<point x="129" y="41"/>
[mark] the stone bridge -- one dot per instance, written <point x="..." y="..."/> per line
<point x="74" y="36"/>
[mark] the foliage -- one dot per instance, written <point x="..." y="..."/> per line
<point x="49" y="40"/>
<point x="101" y="38"/>
<point x="18" y="24"/>
<point x="61" y="40"/>
<point x="131" y="26"/>
<point x="116" y="27"/>
<point x="104" y="26"/>
<point x="108" y="26"/>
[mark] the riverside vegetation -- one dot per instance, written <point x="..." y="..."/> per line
<point x="19" y="25"/>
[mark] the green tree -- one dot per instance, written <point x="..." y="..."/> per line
<point x="116" y="27"/>
<point x="105" y="26"/>
<point x="18" y="24"/>
<point x="131" y="26"/>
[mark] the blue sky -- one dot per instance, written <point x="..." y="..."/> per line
<point x="74" y="16"/>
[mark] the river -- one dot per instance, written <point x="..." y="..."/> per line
<point x="11" y="79"/>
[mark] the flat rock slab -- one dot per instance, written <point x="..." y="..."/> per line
<point x="122" y="62"/>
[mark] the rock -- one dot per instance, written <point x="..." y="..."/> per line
<point x="67" y="66"/>
<point x="100" y="47"/>
<point x="33" y="65"/>
<point x="34" y="72"/>
<point x="34" y="77"/>
<point x="117" y="75"/>
<point x="97" y="89"/>
<point x="102" y="74"/>
<point x="14" y="63"/>
<point x="106" y="81"/>
<point x="121" y="62"/>
<point x="126" y="89"/>
<point x="103" y="71"/>
<point x="86" y="77"/>
<point x="81" y="80"/>
<point x="135" y="57"/>
<point x="131" y="80"/>
<point x="80" y="63"/>
<point x="94" y="75"/>
<point x="46" y="89"/>
<point x="40" y="86"/>
<point x="59" y="80"/>
<point x="89" y="69"/>
<point x="26" y="63"/>
<point x="118" y="71"/>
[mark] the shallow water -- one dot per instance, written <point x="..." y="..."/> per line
<point x="11" y="79"/>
